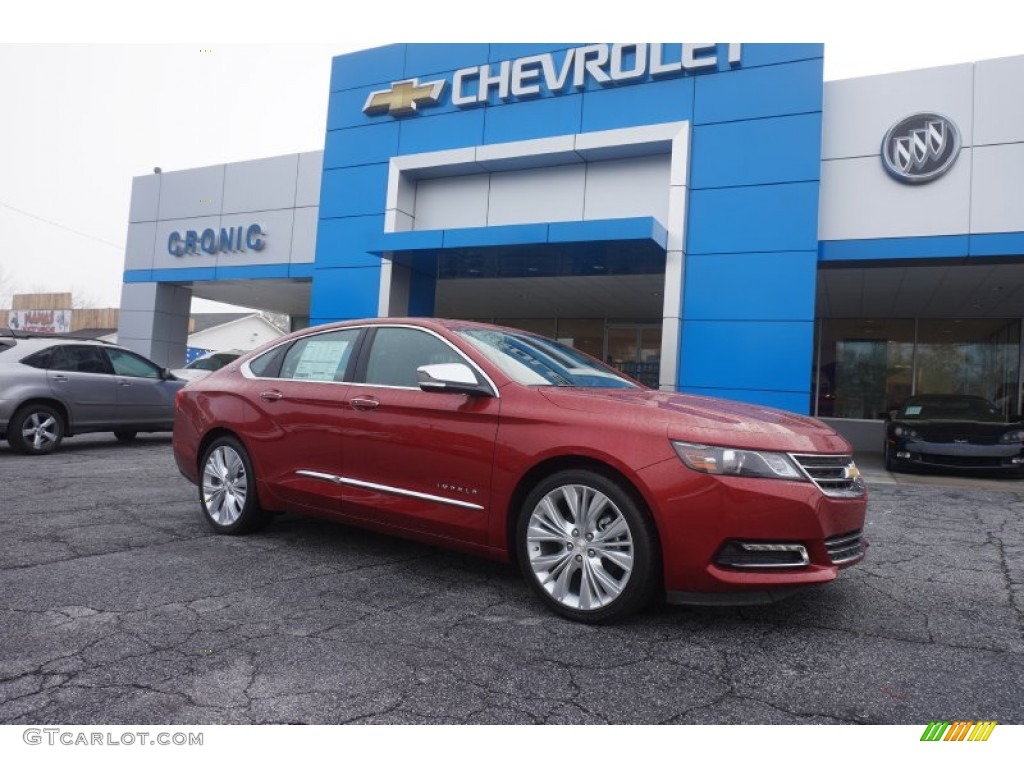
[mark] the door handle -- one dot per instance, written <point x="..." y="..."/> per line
<point x="123" y="383"/>
<point x="61" y="378"/>
<point x="270" y="395"/>
<point x="364" y="403"/>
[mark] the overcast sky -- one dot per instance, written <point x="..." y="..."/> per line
<point x="95" y="93"/>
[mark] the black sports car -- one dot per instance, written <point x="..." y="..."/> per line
<point x="959" y="432"/>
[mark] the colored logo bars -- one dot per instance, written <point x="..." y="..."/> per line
<point x="920" y="148"/>
<point x="958" y="730"/>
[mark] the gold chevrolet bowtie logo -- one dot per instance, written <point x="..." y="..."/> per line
<point x="404" y="98"/>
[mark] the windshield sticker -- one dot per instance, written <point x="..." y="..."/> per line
<point x="913" y="410"/>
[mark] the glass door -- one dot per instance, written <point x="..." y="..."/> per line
<point x="635" y="350"/>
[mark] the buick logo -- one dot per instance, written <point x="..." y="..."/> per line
<point x="920" y="148"/>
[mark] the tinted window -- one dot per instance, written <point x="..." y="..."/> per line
<point x="39" y="359"/>
<point x="130" y="364"/>
<point x="398" y="352"/>
<point x="951" y="408"/>
<point x="324" y="357"/>
<point x="80" y="359"/>
<point x="269" y="363"/>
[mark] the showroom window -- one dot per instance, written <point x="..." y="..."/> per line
<point x="866" y="367"/>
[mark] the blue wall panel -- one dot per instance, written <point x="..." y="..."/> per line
<point x="345" y="242"/>
<point x="661" y="101"/>
<point x="742" y="94"/>
<point x="750" y="286"/>
<point x="762" y="54"/>
<point x="770" y="217"/>
<point x="747" y="354"/>
<point x="766" y="151"/>
<point x="503" y="51"/>
<point x="424" y="59"/>
<point x="374" y="65"/>
<point x="361" y="146"/>
<point x="344" y="294"/>
<point x="554" y="116"/>
<point x="356" y="191"/>
<point x="441" y="131"/>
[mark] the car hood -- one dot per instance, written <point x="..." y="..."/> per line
<point x="707" y="419"/>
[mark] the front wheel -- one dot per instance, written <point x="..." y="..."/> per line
<point x="890" y="460"/>
<point x="125" y="435"/>
<point x="36" y="429"/>
<point x="227" y="488"/>
<point x="586" y="547"/>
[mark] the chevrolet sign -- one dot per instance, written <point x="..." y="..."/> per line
<point x="522" y="78"/>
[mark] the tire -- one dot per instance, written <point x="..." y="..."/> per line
<point x="890" y="462"/>
<point x="227" y="488"/>
<point x="597" y="566"/>
<point x="36" y="430"/>
<point x="125" y="435"/>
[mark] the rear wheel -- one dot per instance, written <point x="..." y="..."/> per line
<point x="227" y="488"/>
<point x="586" y="547"/>
<point x="36" y="429"/>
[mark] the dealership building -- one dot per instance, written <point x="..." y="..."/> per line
<point x="709" y="218"/>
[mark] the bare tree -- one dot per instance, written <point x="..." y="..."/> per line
<point x="6" y="292"/>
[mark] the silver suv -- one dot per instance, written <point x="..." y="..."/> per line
<point x="52" y="388"/>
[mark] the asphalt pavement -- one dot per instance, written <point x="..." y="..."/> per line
<point x="118" y="605"/>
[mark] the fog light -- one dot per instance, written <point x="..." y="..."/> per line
<point x="902" y="454"/>
<point x="1017" y="460"/>
<point x="743" y="554"/>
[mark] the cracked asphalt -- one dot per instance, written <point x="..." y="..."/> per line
<point x="118" y="605"/>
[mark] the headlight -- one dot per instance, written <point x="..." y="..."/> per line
<point x="715" y="460"/>
<point x="1013" y="436"/>
<point x="905" y="432"/>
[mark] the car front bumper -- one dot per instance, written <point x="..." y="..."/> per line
<point x="700" y="518"/>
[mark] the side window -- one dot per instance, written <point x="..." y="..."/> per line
<point x="323" y="357"/>
<point x="39" y="359"/>
<point x="80" y="359"/>
<point x="398" y="352"/>
<point x="130" y="364"/>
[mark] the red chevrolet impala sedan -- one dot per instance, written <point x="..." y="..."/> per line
<point x="512" y="446"/>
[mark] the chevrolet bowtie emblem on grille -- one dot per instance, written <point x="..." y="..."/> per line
<point x="404" y="97"/>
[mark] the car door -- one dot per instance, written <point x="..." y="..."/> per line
<point x="144" y="397"/>
<point x="81" y="376"/>
<point x="414" y="459"/>
<point x="297" y="396"/>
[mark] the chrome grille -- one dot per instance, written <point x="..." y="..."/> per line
<point x="845" y="547"/>
<point x="834" y="474"/>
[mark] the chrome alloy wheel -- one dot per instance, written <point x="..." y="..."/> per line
<point x="40" y="430"/>
<point x="225" y="485"/>
<point x="580" y="547"/>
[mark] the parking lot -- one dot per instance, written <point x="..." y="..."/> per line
<point x="118" y="605"/>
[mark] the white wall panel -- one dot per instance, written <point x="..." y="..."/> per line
<point x="452" y="202"/>
<point x="860" y="200"/>
<point x="260" y="185"/>
<point x="536" y="195"/>
<point x="311" y="167"/>
<point x="145" y="198"/>
<point x="636" y="186"/>
<point x="303" y="248"/>
<point x="858" y="112"/>
<point x="187" y="194"/>
<point x="138" y="252"/>
<point x="998" y="101"/>
<point x="997" y="199"/>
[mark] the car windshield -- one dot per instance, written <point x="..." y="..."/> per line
<point x="952" y="408"/>
<point x="534" y="360"/>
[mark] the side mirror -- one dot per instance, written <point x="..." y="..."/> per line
<point x="451" y="377"/>
<point x="166" y="375"/>
<point x="889" y="415"/>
